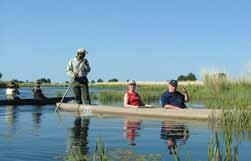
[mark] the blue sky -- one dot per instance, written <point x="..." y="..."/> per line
<point x="129" y="39"/>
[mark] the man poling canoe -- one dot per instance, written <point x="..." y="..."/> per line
<point x="78" y="69"/>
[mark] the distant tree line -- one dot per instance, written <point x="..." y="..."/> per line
<point x="188" y="77"/>
<point x="41" y="80"/>
<point x="17" y="81"/>
<point x="101" y="80"/>
<point x="44" y="80"/>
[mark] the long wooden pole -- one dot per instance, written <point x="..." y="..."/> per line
<point x="66" y="92"/>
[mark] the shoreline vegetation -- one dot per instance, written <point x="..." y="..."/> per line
<point x="214" y="91"/>
<point x="3" y="84"/>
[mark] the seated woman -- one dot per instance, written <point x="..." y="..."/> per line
<point x="132" y="98"/>
<point x="37" y="91"/>
<point x="12" y="91"/>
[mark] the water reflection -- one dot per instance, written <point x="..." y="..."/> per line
<point x="11" y="116"/>
<point x="175" y="135"/>
<point x="36" y="116"/>
<point x="131" y="132"/>
<point x="79" y="137"/>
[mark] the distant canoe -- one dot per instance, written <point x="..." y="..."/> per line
<point x="186" y="114"/>
<point x="47" y="101"/>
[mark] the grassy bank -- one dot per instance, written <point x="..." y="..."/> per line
<point x="3" y="84"/>
<point x="216" y="92"/>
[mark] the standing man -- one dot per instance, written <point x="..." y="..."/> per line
<point x="173" y="99"/>
<point x="78" y="69"/>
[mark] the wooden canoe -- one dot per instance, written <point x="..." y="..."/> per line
<point x="187" y="114"/>
<point x="47" y="101"/>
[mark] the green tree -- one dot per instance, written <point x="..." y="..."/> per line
<point x="17" y="81"/>
<point x="181" y="78"/>
<point x="100" y="80"/>
<point x="222" y="75"/>
<point x="93" y="81"/>
<point x="1" y="75"/>
<point x="113" y="80"/>
<point x="191" y="77"/>
<point x="44" y="80"/>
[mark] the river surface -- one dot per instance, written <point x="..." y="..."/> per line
<point x="38" y="133"/>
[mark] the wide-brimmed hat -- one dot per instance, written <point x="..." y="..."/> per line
<point x="11" y="84"/>
<point x="131" y="82"/>
<point x="82" y="50"/>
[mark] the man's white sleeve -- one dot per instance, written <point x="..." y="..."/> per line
<point x="69" y="69"/>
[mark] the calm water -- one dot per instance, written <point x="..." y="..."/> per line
<point x="38" y="133"/>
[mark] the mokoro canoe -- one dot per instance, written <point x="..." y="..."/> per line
<point x="48" y="101"/>
<point x="187" y="114"/>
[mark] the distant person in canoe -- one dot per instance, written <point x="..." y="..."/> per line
<point x="173" y="99"/>
<point x="37" y="91"/>
<point x="132" y="98"/>
<point x="12" y="91"/>
<point x="78" y="69"/>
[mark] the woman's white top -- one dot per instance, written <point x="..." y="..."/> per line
<point x="11" y="92"/>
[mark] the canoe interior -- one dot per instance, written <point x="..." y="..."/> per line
<point x="47" y="101"/>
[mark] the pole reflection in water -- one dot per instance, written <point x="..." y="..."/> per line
<point x="175" y="135"/>
<point x="131" y="130"/>
<point x="79" y="136"/>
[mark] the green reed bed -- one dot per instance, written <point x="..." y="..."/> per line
<point x="123" y="87"/>
<point x="102" y="153"/>
<point x="232" y="129"/>
<point x="226" y="94"/>
<point x="110" y="96"/>
<point x="118" y="96"/>
<point x="3" y="84"/>
<point x="109" y="86"/>
<point x="233" y="95"/>
<point x="235" y="127"/>
<point x="223" y="150"/>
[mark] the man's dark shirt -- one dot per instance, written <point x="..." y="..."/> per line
<point x="176" y="99"/>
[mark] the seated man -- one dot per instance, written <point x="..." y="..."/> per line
<point x="12" y="91"/>
<point x="37" y="91"/>
<point x="172" y="99"/>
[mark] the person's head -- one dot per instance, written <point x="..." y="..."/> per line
<point x="172" y="86"/>
<point x="132" y="85"/>
<point x="12" y="84"/>
<point x="38" y="84"/>
<point x="81" y="53"/>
